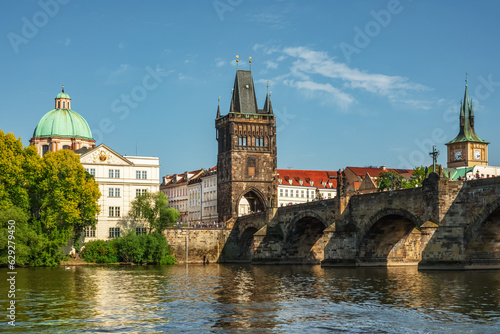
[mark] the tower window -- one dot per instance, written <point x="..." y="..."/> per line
<point x="259" y="142"/>
<point x="251" y="166"/>
<point x="58" y="104"/>
<point x="64" y="104"/>
<point x="242" y="141"/>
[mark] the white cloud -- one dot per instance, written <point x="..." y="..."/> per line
<point x="314" y="89"/>
<point x="219" y="62"/>
<point x="113" y="76"/>
<point x="318" y="62"/>
<point x="271" y="64"/>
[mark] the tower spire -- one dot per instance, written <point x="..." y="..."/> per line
<point x="218" y="108"/>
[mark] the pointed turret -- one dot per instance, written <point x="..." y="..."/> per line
<point x="467" y="149"/>
<point x="466" y="132"/>
<point x="243" y="100"/>
<point x="268" y="107"/>
<point x="218" y="112"/>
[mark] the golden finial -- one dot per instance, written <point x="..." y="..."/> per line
<point x="63" y="88"/>
<point x="250" y="61"/>
<point x="237" y="61"/>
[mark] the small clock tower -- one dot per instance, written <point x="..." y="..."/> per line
<point x="467" y="149"/>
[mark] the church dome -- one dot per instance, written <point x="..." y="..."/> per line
<point x="62" y="95"/>
<point x="62" y="123"/>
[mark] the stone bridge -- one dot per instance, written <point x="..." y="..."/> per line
<point x="442" y="225"/>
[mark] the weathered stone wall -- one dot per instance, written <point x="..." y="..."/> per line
<point x="202" y="244"/>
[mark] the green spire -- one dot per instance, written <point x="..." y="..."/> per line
<point x="467" y="132"/>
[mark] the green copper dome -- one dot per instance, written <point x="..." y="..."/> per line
<point x="62" y="95"/>
<point x="62" y="123"/>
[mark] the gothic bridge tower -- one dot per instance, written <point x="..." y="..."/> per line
<point x="246" y="159"/>
<point x="467" y="149"/>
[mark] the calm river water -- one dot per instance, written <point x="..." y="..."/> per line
<point x="252" y="299"/>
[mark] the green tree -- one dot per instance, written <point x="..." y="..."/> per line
<point x="152" y="208"/>
<point x="65" y="197"/>
<point x="390" y="180"/>
<point x="19" y="169"/>
<point x="418" y="176"/>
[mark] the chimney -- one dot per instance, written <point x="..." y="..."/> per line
<point x="383" y="167"/>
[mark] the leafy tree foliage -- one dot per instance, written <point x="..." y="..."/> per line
<point x="51" y="199"/>
<point x="418" y="176"/>
<point x="152" y="208"/>
<point x="100" y="251"/>
<point x="389" y="180"/>
<point x="66" y="196"/>
<point x="145" y="248"/>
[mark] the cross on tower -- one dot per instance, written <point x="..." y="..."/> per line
<point x="434" y="154"/>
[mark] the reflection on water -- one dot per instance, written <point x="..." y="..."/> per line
<point x="274" y="299"/>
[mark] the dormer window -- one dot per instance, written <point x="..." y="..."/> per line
<point x="280" y="181"/>
<point x="301" y="182"/>
<point x="312" y="183"/>
<point x="290" y="181"/>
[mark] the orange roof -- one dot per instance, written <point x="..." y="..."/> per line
<point x="319" y="179"/>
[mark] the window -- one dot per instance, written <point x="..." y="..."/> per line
<point x="242" y="141"/>
<point x="58" y="104"/>
<point x="89" y="232"/>
<point x="114" y="192"/>
<point x="259" y="142"/>
<point x="291" y="193"/>
<point x="114" y="173"/>
<point x="141" y="174"/>
<point x="91" y="171"/>
<point x="140" y="192"/>
<point x="65" y="147"/>
<point x="114" y="232"/>
<point x="114" y="211"/>
<point x="286" y="192"/>
<point x="302" y="193"/>
<point x="251" y="166"/>
<point x="45" y="149"/>
<point x="64" y="105"/>
<point x="140" y="230"/>
<point x="281" y="192"/>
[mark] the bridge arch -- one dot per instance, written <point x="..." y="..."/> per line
<point x="304" y="238"/>
<point x="255" y="199"/>
<point x="391" y="237"/>
<point x="482" y="237"/>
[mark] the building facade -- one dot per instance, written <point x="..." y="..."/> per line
<point x="246" y="159"/>
<point x="121" y="179"/>
<point x="302" y="186"/>
<point x="180" y="194"/>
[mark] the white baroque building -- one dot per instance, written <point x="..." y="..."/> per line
<point x="121" y="179"/>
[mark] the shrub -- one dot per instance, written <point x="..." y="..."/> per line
<point x="145" y="248"/>
<point x="100" y="251"/>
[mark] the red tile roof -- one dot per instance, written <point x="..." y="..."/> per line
<point x="306" y="176"/>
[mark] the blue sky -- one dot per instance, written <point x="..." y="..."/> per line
<point x="354" y="83"/>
